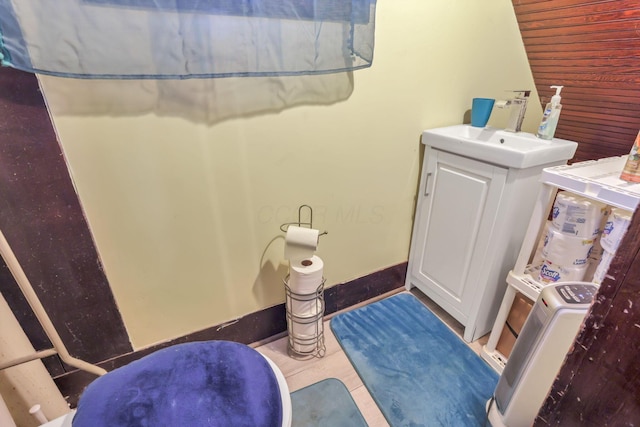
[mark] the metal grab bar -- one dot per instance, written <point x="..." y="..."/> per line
<point x="28" y="358"/>
<point x="38" y="309"/>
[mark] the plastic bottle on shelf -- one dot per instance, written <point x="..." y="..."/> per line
<point x="631" y="171"/>
<point x="551" y="115"/>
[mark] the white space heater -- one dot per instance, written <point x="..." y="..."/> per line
<point x="542" y="345"/>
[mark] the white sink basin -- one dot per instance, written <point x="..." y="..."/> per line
<point x="515" y="150"/>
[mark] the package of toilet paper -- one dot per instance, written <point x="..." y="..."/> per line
<point x="578" y="216"/>
<point x="564" y="249"/>
<point x="614" y="229"/>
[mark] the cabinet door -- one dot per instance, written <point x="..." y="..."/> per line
<point x="458" y="205"/>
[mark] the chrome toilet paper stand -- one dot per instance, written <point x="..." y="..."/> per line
<point x="310" y="345"/>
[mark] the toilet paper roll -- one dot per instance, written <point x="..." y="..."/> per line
<point x="305" y="332"/>
<point x="552" y="273"/>
<point x="577" y="216"/>
<point x="306" y="326"/>
<point x="614" y="229"/>
<point x="564" y="249"/>
<point x="305" y="275"/>
<point x="305" y="344"/>
<point x="603" y="267"/>
<point x="300" y="242"/>
<point x="305" y="307"/>
<point x="305" y="337"/>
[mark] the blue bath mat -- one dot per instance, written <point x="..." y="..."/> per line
<point x="415" y="368"/>
<point x="327" y="403"/>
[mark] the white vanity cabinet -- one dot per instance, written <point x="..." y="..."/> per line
<point x="457" y="208"/>
<point x="471" y="217"/>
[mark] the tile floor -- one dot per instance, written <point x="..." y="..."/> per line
<point x="335" y="364"/>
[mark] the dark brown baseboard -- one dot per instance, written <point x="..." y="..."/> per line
<point x="251" y="328"/>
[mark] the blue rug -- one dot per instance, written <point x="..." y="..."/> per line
<point x="327" y="403"/>
<point x="415" y="368"/>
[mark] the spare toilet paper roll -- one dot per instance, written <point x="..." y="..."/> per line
<point x="305" y="336"/>
<point x="300" y="242"/>
<point x="577" y="216"/>
<point x="305" y="275"/>
<point x="306" y="325"/>
<point x="305" y="307"/>
<point x="552" y="273"/>
<point x="614" y="229"/>
<point x="305" y="344"/>
<point x="564" y="249"/>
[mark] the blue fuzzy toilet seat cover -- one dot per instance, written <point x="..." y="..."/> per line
<point x="200" y="384"/>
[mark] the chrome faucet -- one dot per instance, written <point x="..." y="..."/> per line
<point x="518" y="108"/>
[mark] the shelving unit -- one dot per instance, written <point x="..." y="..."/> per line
<point x="596" y="179"/>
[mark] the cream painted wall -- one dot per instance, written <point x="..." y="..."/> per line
<point x="186" y="213"/>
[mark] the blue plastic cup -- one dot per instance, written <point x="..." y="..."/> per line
<point x="481" y="111"/>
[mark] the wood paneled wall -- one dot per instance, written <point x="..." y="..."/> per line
<point x="592" y="48"/>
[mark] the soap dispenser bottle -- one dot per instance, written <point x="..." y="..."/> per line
<point x="551" y="115"/>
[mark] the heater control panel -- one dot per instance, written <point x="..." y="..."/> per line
<point x="576" y="293"/>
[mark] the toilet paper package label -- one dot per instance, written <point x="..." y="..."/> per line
<point x="614" y="229"/>
<point x="563" y="249"/>
<point x="577" y="216"/>
<point x="552" y="273"/>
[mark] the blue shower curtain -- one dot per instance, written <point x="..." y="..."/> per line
<point x="160" y="39"/>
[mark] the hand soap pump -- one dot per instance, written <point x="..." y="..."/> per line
<point x="551" y="115"/>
